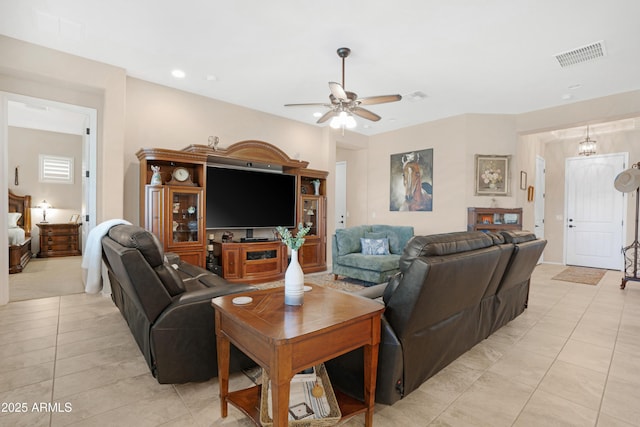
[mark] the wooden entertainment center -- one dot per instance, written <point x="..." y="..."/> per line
<point x="173" y="208"/>
<point x="251" y="262"/>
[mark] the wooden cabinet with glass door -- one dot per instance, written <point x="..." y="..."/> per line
<point x="173" y="204"/>
<point x="187" y="224"/>
<point x="312" y="202"/>
<point x="312" y="253"/>
<point x="175" y="216"/>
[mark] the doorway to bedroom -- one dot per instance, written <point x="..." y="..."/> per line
<point x="40" y="129"/>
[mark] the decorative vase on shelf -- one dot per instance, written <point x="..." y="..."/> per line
<point x="294" y="281"/>
<point x="316" y="187"/>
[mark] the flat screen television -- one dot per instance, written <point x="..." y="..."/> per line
<point x="242" y="198"/>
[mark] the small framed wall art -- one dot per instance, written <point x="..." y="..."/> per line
<point x="493" y="175"/>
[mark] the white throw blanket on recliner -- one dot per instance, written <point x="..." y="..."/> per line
<point x="92" y="258"/>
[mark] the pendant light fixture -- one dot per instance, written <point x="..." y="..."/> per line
<point x="588" y="146"/>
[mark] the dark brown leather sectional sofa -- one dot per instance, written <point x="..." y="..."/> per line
<point x="167" y="305"/>
<point x="453" y="290"/>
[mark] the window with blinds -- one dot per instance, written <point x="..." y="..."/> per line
<point x="56" y="169"/>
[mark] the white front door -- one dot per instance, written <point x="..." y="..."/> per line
<point x="539" y="191"/>
<point x="594" y="211"/>
<point x="341" y="195"/>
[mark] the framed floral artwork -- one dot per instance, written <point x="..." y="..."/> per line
<point x="493" y="175"/>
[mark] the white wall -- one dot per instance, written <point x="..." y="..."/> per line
<point x="455" y="142"/>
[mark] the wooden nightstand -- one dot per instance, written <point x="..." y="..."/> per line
<point x="59" y="240"/>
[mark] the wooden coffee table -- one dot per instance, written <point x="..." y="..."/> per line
<point x="285" y="340"/>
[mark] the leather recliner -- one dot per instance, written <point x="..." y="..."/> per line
<point x="453" y="290"/>
<point x="167" y="305"/>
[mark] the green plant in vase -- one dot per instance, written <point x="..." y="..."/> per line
<point x="293" y="243"/>
<point x="294" y="276"/>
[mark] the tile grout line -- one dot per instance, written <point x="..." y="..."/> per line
<point x="176" y="391"/>
<point x="613" y="352"/>
<point x="55" y="361"/>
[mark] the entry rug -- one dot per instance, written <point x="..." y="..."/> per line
<point x="585" y="275"/>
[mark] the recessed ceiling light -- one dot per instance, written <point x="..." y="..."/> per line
<point x="211" y="78"/>
<point x="575" y="86"/>
<point x="317" y="114"/>
<point x="416" y="96"/>
<point x="178" y="74"/>
<point x="567" y="96"/>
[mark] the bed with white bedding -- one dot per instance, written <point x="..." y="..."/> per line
<point x="16" y="236"/>
<point x="19" y="232"/>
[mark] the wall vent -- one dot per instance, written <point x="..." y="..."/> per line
<point x="582" y="54"/>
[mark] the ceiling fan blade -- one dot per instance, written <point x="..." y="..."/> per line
<point x="370" y="100"/>
<point x="326" y="116"/>
<point x="312" y="104"/>
<point x="365" y="114"/>
<point x="338" y="91"/>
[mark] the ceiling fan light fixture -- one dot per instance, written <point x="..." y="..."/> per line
<point x="343" y="120"/>
<point x="351" y="122"/>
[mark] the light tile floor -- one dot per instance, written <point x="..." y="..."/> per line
<point x="573" y="358"/>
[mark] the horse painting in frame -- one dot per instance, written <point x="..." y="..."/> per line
<point x="412" y="181"/>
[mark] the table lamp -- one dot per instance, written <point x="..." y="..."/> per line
<point x="44" y="205"/>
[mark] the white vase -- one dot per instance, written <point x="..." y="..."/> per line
<point x="294" y="281"/>
<point x="316" y="188"/>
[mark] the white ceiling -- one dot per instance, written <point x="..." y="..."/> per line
<point x="42" y="117"/>
<point x="467" y="56"/>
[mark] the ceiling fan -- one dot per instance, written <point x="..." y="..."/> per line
<point x="344" y="103"/>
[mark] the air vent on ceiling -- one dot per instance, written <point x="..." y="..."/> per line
<point x="581" y="54"/>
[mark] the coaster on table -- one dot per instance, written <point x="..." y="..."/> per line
<point x="307" y="288"/>
<point x="241" y="300"/>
